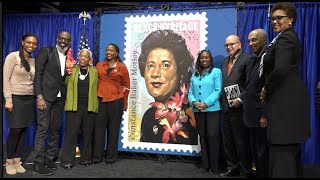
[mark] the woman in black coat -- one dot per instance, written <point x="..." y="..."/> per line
<point x="285" y="94"/>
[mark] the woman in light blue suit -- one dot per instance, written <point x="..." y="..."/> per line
<point x="204" y="97"/>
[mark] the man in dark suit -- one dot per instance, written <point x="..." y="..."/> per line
<point x="254" y="114"/>
<point x="50" y="89"/>
<point x="235" y="133"/>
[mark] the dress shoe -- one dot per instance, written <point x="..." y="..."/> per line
<point x="212" y="172"/>
<point x="230" y="173"/>
<point x="42" y="170"/>
<point x="110" y="160"/>
<point x="50" y="164"/>
<point x="86" y="162"/>
<point x="109" y="163"/>
<point x="67" y="165"/>
<point x="96" y="161"/>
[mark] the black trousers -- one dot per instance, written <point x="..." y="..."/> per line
<point x="236" y="140"/>
<point x="208" y="124"/>
<point x="16" y="142"/>
<point x="258" y="141"/>
<point x="80" y="121"/>
<point x="285" y="161"/>
<point x="48" y="119"/>
<point x="109" y="116"/>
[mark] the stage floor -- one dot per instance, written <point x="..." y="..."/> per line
<point x="136" y="166"/>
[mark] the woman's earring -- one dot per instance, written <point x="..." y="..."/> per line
<point x="181" y="79"/>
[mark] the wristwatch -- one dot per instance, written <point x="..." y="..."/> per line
<point x="39" y="97"/>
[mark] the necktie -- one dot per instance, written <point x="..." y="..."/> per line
<point x="230" y="64"/>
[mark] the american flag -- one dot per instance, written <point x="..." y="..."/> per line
<point x="267" y="24"/>
<point x="83" y="39"/>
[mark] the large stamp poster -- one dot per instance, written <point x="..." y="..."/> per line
<point x="159" y="52"/>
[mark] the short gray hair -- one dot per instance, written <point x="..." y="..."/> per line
<point x="262" y="33"/>
<point x="85" y="49"/>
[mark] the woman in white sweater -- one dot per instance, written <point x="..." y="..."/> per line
<point x="18" y="76"/>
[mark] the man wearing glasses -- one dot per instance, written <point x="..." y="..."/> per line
<point x="235" y="133"/>
<point x="50" y="89"/>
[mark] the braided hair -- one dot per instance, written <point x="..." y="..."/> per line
<point x="23" y="61"/>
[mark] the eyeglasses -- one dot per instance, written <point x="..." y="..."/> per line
<point x="231" y="44"/>
<point x="65" y="39"/>
<point x="277" y="18"/>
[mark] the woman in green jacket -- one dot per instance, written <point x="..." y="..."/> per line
<point x="81" y="107"/>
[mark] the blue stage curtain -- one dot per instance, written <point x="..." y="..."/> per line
<point x="251" y="17"/>
<point x="46" y="27"/>
<point x="308" y="27"/>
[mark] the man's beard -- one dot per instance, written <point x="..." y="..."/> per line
<point x="62" y="50"/>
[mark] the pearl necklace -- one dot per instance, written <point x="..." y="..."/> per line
<point x="81" y="76"/>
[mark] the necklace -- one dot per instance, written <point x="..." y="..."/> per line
<point x="113" y="65"/>
<point x="81" y="76"/>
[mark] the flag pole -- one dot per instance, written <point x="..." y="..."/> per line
<point x="269" y="10"/>
<point x="268" y="22"/>
<point x="83" y="40"/>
